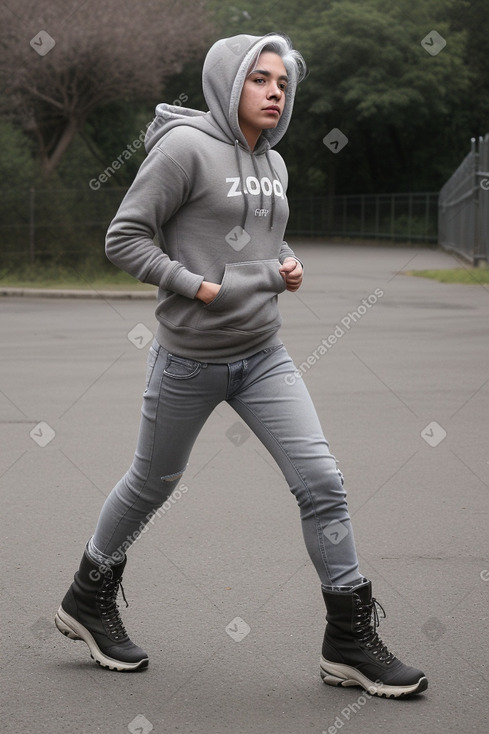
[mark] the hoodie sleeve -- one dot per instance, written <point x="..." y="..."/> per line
<point x="285" y="252"/>
<point x="158" y="191"/>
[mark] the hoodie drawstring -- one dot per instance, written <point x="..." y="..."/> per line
<point x="241" y="178"/>
<point x="273" y="187"/>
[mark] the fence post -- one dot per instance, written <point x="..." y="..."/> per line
<point x="32" y="225"/>
<point x="478" y="257"/>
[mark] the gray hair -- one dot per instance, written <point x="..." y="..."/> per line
<point x="281" y="44"/>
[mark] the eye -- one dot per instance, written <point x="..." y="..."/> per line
<point x="260" y="79"/>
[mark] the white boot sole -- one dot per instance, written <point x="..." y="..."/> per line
<point x="69" y="627"/>
<point x="336" y="674"/>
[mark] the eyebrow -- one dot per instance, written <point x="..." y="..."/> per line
<point x="283" y="77"/>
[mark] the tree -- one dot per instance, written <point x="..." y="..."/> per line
<point x="371" y="78"/>
<point x="60" y="64"/>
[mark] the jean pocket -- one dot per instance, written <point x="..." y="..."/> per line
<point x="179" y="368"/>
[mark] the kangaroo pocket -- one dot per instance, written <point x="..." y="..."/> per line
<point x="246" y="302"/>
<point x="247" y="299"/>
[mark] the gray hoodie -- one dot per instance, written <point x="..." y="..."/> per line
<point x="218" y="211"/>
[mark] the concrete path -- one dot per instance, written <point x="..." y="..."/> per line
<point x="222" y="593"/>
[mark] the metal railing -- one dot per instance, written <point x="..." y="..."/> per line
<point x="463" y="219"/>
<point x="68" y="225"/>
<point x="409" y="217"/>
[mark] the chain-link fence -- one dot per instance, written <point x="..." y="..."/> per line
<point x="69" y="225"/>
<point x="463" y="222"/>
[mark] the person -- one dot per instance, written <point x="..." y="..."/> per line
<point x="213" y="192"/>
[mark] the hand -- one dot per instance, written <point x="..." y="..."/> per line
<point x="291" y="272"/>
<point x="207" y="291"/>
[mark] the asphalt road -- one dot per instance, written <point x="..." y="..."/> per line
<point x="404" y="401"/>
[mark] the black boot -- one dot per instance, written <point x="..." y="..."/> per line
<point x="89" y="612"/>
<point x="354" y="655"/>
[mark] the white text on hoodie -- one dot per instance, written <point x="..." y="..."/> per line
<point x="253" y="186"/>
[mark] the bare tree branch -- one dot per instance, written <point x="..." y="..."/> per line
<point x="101" y="52"/>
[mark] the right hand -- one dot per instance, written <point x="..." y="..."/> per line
<point x="207" y="291"/>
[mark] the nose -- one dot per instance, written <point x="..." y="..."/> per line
<point x="274" y="90"/>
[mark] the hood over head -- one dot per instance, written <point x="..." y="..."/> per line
<point x="226" y="67"/>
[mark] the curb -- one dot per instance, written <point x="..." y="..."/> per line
<point x="58" y="293"/>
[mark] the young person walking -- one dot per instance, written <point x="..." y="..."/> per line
<point x="213" y="192"/>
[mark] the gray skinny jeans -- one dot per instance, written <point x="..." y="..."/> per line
<point x="267" y="394"/>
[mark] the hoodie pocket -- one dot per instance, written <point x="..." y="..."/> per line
<point x="247" y="299"/>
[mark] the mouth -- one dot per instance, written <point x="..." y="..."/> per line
<point x="274" y="109"/>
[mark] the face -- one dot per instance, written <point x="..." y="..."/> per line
<point x="263" y="96"/>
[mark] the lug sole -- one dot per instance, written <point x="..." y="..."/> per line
<point x="336" y="674"/>
<point x="72" y="629"/>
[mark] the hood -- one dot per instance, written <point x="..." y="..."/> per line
<point x="224" y="73"/>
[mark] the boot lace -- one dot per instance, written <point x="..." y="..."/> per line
<point x="366" y="630"/>
<point x="109" y="610"/>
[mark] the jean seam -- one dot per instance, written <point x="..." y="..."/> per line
<point x="152" y="453"/>
<point x="304" y="483"/>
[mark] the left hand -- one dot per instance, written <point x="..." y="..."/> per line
<point x="291" y="272"/>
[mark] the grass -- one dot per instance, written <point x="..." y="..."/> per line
<point x="84" y="277"/>
<point x="467" y="276"/>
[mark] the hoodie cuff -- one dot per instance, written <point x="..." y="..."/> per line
<point x="184" y="282"/>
